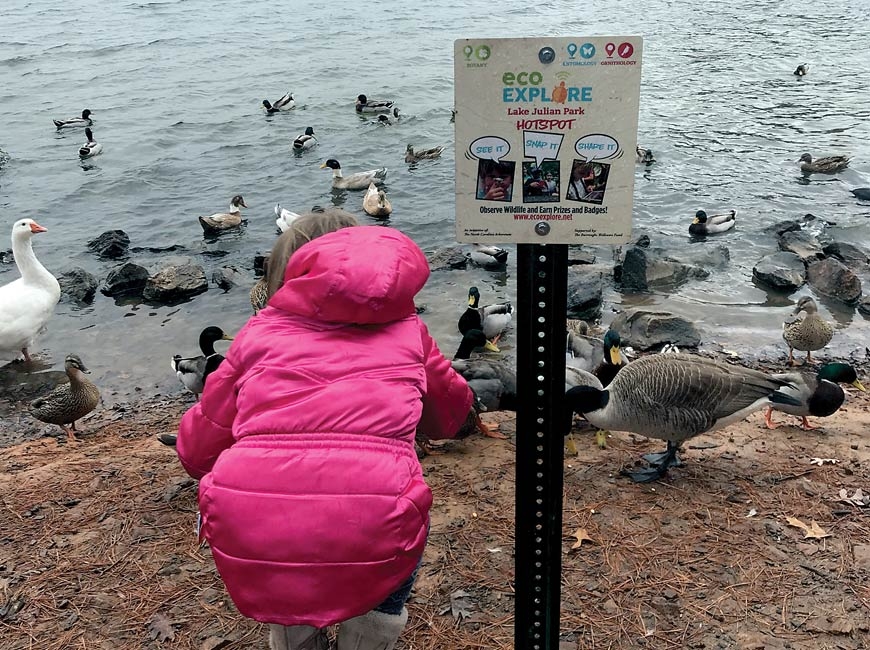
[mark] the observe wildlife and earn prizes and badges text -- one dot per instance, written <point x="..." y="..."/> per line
<point x="546" y="131"/>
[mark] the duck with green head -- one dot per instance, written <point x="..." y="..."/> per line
<point x="819" y="394"/>
<point x="492" y="320"/>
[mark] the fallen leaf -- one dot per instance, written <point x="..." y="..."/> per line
<point x="823" y="461"/>
<point x="461" y="605"/>
<point x="752" y="512"/>
<point x="813" y="530"/>
<point x="858" y="499"/>
<point x="160" y="628"/>
<point x="582" y="536"/>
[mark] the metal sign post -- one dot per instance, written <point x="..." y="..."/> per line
<point x="546" y="133"/>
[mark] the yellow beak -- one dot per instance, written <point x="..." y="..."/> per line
<point x="615" y="357"/>
<point x="857" y="384"/>
<point x="470" y="301"/>
<point x="492" y="347"/>
<point x="696" y="221"/>
<point x="226" y="337"/>
<point x="323" y="166"/>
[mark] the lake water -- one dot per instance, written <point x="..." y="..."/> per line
<point x="175" y="89"/>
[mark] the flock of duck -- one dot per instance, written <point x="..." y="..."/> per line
<point x="670" y="396"/>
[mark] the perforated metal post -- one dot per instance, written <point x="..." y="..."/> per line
<point x="542" y="287"/>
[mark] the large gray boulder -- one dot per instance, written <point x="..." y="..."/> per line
<point x="585" y="285"/>
<point x="228" y="277"/>
<point x="783" y="271"/>
<point x="831" y="278"/>
<point x="126" y="280"/>
<point x="801" y="243"/>
<point x="175" y="281"/>
<point x="78" y="284"/>
<point x="112" y="244"/>
<point x="644" y="329"/>
<point x="846" y="253"/>
<point x="445" y="259"/>
<point x="643" y="269"/>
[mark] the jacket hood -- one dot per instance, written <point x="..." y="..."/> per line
<point x="359" y="275"/>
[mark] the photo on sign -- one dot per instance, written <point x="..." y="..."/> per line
<point x="588" y="181"/>
<point x="541" y="183"/>
<point x="495" y="180"/>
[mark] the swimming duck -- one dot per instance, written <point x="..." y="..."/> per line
<point x="802" y="70"/>
<point x="612" y="361"/>
<point x="357" y="181"/>
<point x="486" y="255"/>
<point x="826" y="165"/>
<point x="704" y="225"/>
<point x="90" y="148"/>
<point x="285" y="218"/>
<point x="27" y="303"/>
<point x="224" y="220"/>
<point x="861" y="193"/>
<point x="806" y="334"/>
<point x="493" y="320"/>
<point x="193" y="371"/>
<point x="422" y="154"/>
<point x="384" y="120"/>
<point x="819" y="394"/>
<point x="365" y="105"/>
<point x="675" y="397"/>
<point x="376" y="203"/>
<point x="84" y="120"/>
<point x="644" y="156"/>
<point x="305" y="141"/>
<point x="284" y="104"/>
<point x="68" y="402"/>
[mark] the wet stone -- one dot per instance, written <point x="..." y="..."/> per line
<point x="112" y="244"/>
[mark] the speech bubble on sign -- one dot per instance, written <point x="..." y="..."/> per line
<point x="596" y="146"/>
<point x="542" y="146"/>
<point x="489" y="147"/>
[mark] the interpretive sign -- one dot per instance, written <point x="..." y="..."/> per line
<point x="546" y="134"/>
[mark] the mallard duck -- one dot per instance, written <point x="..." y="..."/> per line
<point x="802" y="70"/>
<point x="68" y="402"/>
<point x="644" y="156"/>
<point x="284" y="104"/>
<point x="305" y="141"/>
<point x="612" y="361"/>
<point x="90" y="148"/>
<point x="27" y="303"/>
<point x="193" y="371"/>
<point x="357" y="181"/>
<point x="826" y="165"/>
<point x="861" y="193"/>
<point x="675" y="397"/>
<point x="365" y="105"/>
<point x="493" y="320"/>
<point x="384" y="120"/>
<point x="376" y="203"/>
<point x="488" y="255"/>
<point x="285" y="218"/>
<point x="84" y="120"/>
<point x="224" y="220"/>
<point x="704" y="225"/>
<point x="819" y="394"/>
<point x="422" y="154"/>
<point x="806" y="334"/>
<point x="259" y="295"/>
<point x="493" y="381"/>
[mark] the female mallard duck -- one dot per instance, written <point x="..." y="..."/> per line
<point x="366" y="105"/>
<point x="819" y="394"/>
<point x="90" y="148"/>
<point x="704" y="225"/>
<point x="492" y="320"/>
<point x="193" y="371"/>
<point x="376" y="203"/>
<point x="305" y="141"/>
<point x="68" y="402"/>
<point x="643" y="156"/>
<point x="826" y="165"/>
<point x="861" y="193"/>
<point x="224" y="220"/>
<point x="675" y="397"/>
<point x="284" y="104"/>
<point x="485" y="255"/>
<point x="27" y="303"/>
<point x="259" y="295"/>
<point x="357" y="181"/>
<point x="801" y="70"/>
<point x="422" y="154"/>
<point x="84" y="120"/>
<point x="612" y="361"/>
<point x="285" y="218"/>
<point x="806" y="334"/>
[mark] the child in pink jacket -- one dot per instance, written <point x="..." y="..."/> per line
<point x="311" y="494"/>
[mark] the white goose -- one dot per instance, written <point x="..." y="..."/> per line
<point x="285" y="218"/>
<point x="28" y="302"/>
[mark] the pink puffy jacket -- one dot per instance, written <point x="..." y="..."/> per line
<point x="312" y="497"/>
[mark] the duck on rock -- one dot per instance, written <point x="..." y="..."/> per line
<point x="27" y="303"/>
<point x="68" y="402"/>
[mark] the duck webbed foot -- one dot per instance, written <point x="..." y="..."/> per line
<point x="659" y="465"/>
<point x="70" y="433"/>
